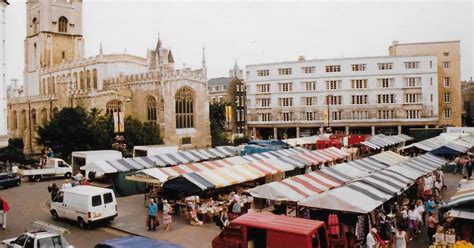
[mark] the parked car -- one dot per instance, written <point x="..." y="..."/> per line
<point x="46" y="235"/>
<point x="85" y="204"/>
<point x="9" y="180"/>
<point x="135" y="241"/>
<point x="54" y="168"/>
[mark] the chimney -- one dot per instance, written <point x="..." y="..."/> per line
<point x="301" y="58"/>
<point x="395" y="42"/>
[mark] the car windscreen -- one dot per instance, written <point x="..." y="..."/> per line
<point x="108" y="198"/>
<point x="96" y="200"/>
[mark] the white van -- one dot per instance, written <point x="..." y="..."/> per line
<point x="85" y="204"/>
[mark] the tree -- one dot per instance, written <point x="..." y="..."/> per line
<point x="76" y="129"/>
<point x="218" y="120"/>
<point x="13" y="152"/>
<point x="139" y="133"/>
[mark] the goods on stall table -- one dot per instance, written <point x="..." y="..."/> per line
<point x="463" y="244"/>
<point x="450" y="236"/>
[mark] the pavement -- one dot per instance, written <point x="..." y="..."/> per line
<point x="132" y="217"/>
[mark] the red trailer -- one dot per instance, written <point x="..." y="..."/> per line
<point x="275" y="231"/>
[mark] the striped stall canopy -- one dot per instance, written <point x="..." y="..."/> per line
<point x="389" y="158"/>
<point x="170" y="159"/>
<point x="380" y="140"/>
<point x="462" y="201"/>
<point x="296" y="188"/>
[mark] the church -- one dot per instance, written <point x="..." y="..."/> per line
<point x="57" y="75"/>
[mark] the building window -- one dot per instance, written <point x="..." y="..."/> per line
<point x="284" y="71"/>
<point x="386" y="82"/>
<point x="81" y="80"/>
<point x="23" y="123"/>
<point x="385" y="66"/>
<point x="431" y="97"/>
<point x="43" y="116"/>
<point x="334" y="100"/>
<point x="310" y="86"/>
<point x="265" y="117"/>
<point x="263" y="102"/>
<point x="359" y="84"/>
<point x="34" y="26"/>
<point x="446" y="81"/>
<point x="308" y="69"/>
<point x="412" y="98"/>
<point x="386" y="98"/>
<point x="333" y="84"/>
<point x="310" y="116"/>
<point x="412" y="114"/>
<point x="358" y="67"/>
<point x="309" y="101"/>
<point x="263" y="88"/>
<point x="447" y="113"/>
<point x="94" y="78"/>
<point x="447" y="97"/>
<point x="62" y="24"/>
<point x="285" y="87"/>
<point x="336" y="115"/>
<point x="446" y="54"/>
<point x="286" y="116"/>
<point x="34" y="121"/>
<point x="333" y="68"/>
<point x="359" y="99"/>
<point x="412" y="64"/>
<point x="14" y="121"/>
<point x="385" y="114"/>
<point x="113" y="106"/>
<point x="446" y="64"/>
<point x="151" y="109"/>
<point x="88" y="79"/>
<point x="360" y="115"/>
<point x="412" y="81"/>
<point x="184" y="101"/>
<point x="285" y="102"/>
<point x="263" y="73"/>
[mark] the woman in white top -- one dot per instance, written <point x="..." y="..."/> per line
<point x="413" y="218"/>
<point x="400" y="238"/>
<point x="370" y="241"/>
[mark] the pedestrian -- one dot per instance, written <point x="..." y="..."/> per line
<point x="370" y="240"/>
<point x="432" y="223"/>
<point x="152" y="209"/>
<point x="469" y="166"/>
<point x="421" y="211"/>
<point x="167" y="211"/>
<point x="4" y="208"/>
<point x="413" y="218"/>
<point x="457" y="164"/>
<point x="438" y="188"/>
<point x="53" y="190"/>
<point x="400" y="240"/>
<point x="223" y="219"/>
<point x="235" y="205"/>
<point x="67" y="184"/>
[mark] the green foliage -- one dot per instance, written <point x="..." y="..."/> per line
<point x="76" y="129"/>
<point x="217" y="116"/>
<point x="241" y="140"/>
<point x="139" y="133"/>
<point x="13" y="152"/>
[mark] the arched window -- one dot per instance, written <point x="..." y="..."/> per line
<point x="34" y="26"/>
<point x="151" y="108"/>
<point x="55" y="79"/>
<point x="43" y="86"/>
<point x="23" y="120"/>
<point x="14" y="121"/>
<point x="81" y="80"/>
<point x="34" y="123"/>
<point x="43" y="116"/>
<point x="50" y="86"/>
<point x="62" y="24"/>
<point x="88" y="79"/>
<point x="184" y="107"/>
<point x="94" y="78"/>
<point x="76" y="83"/>
<point x="113" y="106"/>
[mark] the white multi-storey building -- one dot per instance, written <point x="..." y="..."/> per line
<point x="351" y="95"/>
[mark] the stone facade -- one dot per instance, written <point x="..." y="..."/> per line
<point x="144" y="88"/>
<point x="449" y="75"/>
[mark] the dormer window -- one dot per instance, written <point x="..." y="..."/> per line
<point x="62" y="24"/>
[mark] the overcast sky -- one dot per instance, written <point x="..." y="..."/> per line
<point x="257" y="32"/>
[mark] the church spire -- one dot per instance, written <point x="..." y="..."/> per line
<point x="157" y="50"/>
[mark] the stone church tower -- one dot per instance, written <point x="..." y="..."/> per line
<point x="53" y="36"/>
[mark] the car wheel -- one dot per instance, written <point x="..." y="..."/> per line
<point x="68" y="175"/>
<point x="38" y="178"/>
<point x="54" y="215"/>
<point x="82" y="223"/>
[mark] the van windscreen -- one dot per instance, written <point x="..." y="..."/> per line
<point x="108" y="198"/>
<point x="96" y="200"/>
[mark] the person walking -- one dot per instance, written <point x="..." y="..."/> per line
<point x="167" y="211"/>
<point x="413" y="218"/>
<point x="370" y="240"/>
<point x="152" y="209"/>
<point x="400" y="239"/>
<point x="4" y="208"/>
<point x="432" y="223"/>
<point x="469" y="166"/>
<point x="53" y="190"/>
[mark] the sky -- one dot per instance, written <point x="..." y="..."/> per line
<point x="257" y="32"/>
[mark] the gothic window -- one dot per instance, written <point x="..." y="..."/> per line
<point x="88" y="79"/>
<point x="14" y="121"/>
<point x="75" y="80"/>
<point x="94" y="78"/>
<point x="53" y="85"/>
<point x="23" y="120"/>
<point x="34" y="25"/>
<point x="184" y="100"/>
<point x="43" y="116"/>
<point x="33" y="119"/>
<point x="151" y="109"/>
<point x="62" y="24"/>
<point x="50" y="86"/>
<point x="81" y="80"/>
<point x="113" y="106"/>
<point x="43" y="86"/>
